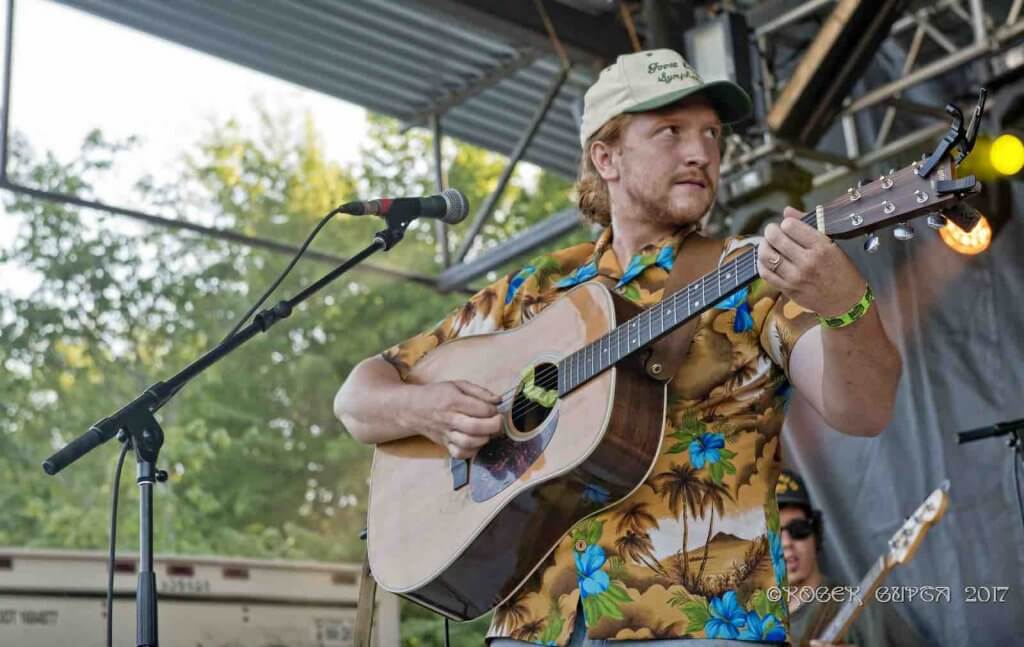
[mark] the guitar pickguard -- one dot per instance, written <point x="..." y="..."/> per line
<point x="503" y="460"/>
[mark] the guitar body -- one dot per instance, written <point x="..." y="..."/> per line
<point x="464" y="551"/>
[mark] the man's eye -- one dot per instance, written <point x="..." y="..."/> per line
<point x="672" y="130"/>
<point x="712" y="132"/>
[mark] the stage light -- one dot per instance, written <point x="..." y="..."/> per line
<point x="970" y="242"/>
<point x="1007" y="154"/>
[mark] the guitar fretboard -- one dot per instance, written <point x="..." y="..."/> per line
<point x="658" y="320"/>
<point x="851" y="608"/>
<point x="663" y="317"/>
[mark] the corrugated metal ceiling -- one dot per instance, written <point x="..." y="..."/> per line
<point x="399" y="59"/>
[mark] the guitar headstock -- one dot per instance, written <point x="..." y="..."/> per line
<point x="900" y="196"/>
<point x="904" y="543"/>
<point x="923" y="187"/>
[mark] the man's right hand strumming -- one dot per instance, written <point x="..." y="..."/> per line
<point x="376" y="406"/>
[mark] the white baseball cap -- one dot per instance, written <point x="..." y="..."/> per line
<point x="652" y="79"/>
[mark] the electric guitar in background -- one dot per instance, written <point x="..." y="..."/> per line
<point x="902" y="547"/>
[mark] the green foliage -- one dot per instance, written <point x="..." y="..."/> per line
<point x="763" y="605"/>
<point x="588" y="531"/>
<point x="259" y="466"/>
<point x="697" y="614"/>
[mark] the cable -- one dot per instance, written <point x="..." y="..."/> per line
<point x="113" y="542"/>
<point x="281" y="277"/>
<point x="1016" y="482"/>
<point x="446" y="631"/>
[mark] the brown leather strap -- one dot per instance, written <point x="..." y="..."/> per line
<point x="697" y="257"/>
<point x="364" y="607"/>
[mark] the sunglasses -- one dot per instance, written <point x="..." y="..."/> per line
<point x="799" y="528"/>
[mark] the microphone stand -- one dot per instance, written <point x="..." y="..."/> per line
<point x="1013" y="427"/>
<point x="134" y="423"/>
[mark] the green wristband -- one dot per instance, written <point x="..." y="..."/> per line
<point x="858" y="310"/>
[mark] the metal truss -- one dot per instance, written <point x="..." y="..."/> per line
<point x="930" y="52"/>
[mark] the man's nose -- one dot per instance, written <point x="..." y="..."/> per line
<point x="694" y="152"/>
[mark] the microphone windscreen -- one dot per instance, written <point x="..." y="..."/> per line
<point x="458" y="206"/>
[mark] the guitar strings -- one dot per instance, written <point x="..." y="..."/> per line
<point x="741" y="264"/>
<point x="526" y="406"/>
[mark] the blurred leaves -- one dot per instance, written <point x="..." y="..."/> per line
<point x="102" y="307"/>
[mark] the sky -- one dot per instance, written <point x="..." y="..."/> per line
<point x="73" y="72"/>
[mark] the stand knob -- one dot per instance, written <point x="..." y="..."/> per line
<point x="161" y="476"/>
<point x="872" y="244"/>
<point x="903" y="231"/>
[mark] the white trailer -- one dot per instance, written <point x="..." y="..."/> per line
<point x="58" y="597"/>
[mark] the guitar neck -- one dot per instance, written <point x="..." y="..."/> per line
<point x="852" y="608"/>
<point x="665" y="316"/>
<point x="660" y="319"/>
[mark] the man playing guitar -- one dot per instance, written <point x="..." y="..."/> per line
<point x="688" y="557"/>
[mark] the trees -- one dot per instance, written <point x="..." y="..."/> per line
<point x="258" y="464"/>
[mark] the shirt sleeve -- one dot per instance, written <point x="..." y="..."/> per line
<point x="784" y="324"/>
<point x="484" y="312"/>
<point x="778" y="320"/>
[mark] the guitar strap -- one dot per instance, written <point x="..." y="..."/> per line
<point x="697" y="256"/>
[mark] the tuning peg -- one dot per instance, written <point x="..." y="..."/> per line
<point x="871" y="244"/>
<point x="936" y="220"/>
<point x="903" y="231"/>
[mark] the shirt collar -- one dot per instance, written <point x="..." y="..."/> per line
<point x="603" y="260"/>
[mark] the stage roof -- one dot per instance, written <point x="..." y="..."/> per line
<point x="485" y="68"/>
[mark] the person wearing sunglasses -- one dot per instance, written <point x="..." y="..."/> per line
<point x="814" y="599"/>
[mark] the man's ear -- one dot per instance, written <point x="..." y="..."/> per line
<point x="603" y="157"/>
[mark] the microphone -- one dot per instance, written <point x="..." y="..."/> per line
<point x="450" y="206"/>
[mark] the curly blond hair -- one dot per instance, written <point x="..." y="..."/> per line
<point x="591" y="189"/>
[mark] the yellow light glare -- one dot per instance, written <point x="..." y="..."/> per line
<point x="970" y="242"/>
<point x="1007" y="154"/>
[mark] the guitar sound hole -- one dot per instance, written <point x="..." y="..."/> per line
<point x="527" y="415"/>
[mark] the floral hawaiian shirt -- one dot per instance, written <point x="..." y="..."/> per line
<point x="696" y="550"/>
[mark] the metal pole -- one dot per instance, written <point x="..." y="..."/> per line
<point x="890" y="113"/>
<point x="850" y="137"/>
<point x="1014" y="13"/>
<point x="894" y="147"/>
<point x="517" y="154"/>
<point x="978" y="22"/>
<point x="791" y="16"/>
<point x="440" y="228"/>
<point x="923" y="74"/>
<point x="5" y="124"/>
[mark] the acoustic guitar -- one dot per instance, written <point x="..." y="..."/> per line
<point x="582" y="420"/>
<point x="902" y="547"/>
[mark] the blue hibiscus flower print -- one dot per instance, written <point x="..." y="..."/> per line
<point x="517" y="282"/>
<point x="640" y="262"/>
<point x="666" y="257"/>
<point x="591" y="579"/>
<point x="767" y="628"/>
<point x="579" y="275"/>
<point x="778" y="559"/>
<point x="728" y="617"/>
<point x="705" y="449"/>
<point x="744" y="321"/>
